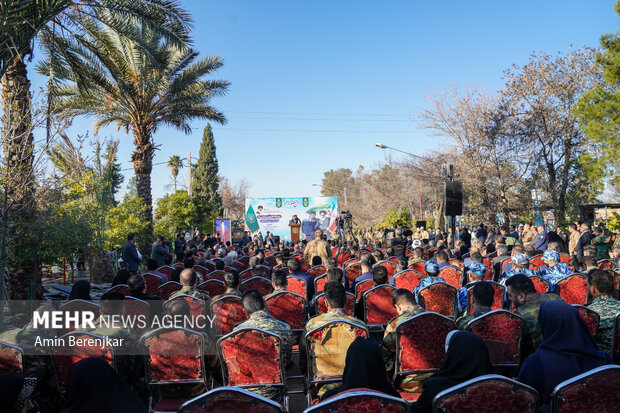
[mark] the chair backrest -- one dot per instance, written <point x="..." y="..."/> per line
<point x="197" y="308"/>
<point x="288" y="307"/>
<point x="457" y="263"/>
<point x="490" y="274"/>
<point x="502" y="332"/>
<point x="591" y="317"/>
<point x="593" y="391"/>
<point x="230" y="400"/>
<point x="11" y="359"/>
<point x="362" y="287"/>
<point x="245" y="260"/>
<point x="212" y="287"/>
<point x="350" y="261"/>
<point x="271" y="261"/>
<point x="120" y="289"/>
<point x="319" y="283"/>
<point x="327" y="347"/>
<point x="140" y="310"/>
<point x="486" y="394"/>
<point x="83" y="345"/>
<point x="452" y="275"/>
<point x="202" y="271"/>
<point x="498" y="297"/>
<point x="227" y="312"/>
<point x="361" y="400"/>
<point x="352" y="271"/>
<point x="174" y="355"/>
<point x="408" y="279"/>
<point x="164" y="290"/>
<point x="297" y="285"/>
<point x="388" y="265"/>
<point x="79" y="306"/>
<point x="378" y="308"/>
<point x="573" y="289"/>
<point x="152" y="283"/>
<point x="439" y="298"/>
<point x="209" y="265"/>
<point x="166" y="269"/>
<point x="541" y="285"/>
<point x="219" y="274"/>
<point x="606" y="265"/>
<point x="317" y="270"/>
<point x="537" y="260"/>
<point x="251" y="357"/>
<point x="615" y="340"/>
<point x="505" y="262"/>
<point x="420" y="343"/>
<point x="419" y="267"/>
<point x="260" y="284"/>
<point x="321" y="304"/>
<point x="238" y="265"/>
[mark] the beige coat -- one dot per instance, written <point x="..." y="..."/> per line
<point x="572" y="242"/>
<point x="317" y="247"/>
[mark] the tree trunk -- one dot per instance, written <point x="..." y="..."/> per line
<point x="19" y="180"/>
<point x="142" y="159"/>
<point x="100" y="267"/>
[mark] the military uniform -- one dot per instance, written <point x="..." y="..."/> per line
<point x="525" y="271"/>
<point x="414" y="260"/>
<point x="263" y="320"/>
<point x="555" y="274"/>
<point x="229" y="291"/>
<point x="532" y="334"/>
<point x="603" y="245"/>
<point x="425" y="282"/>
<point x="189" y="290"/>
<point x="461" y="322"/>
<point x="389" y="338"/>
<point x="607" y="307"/>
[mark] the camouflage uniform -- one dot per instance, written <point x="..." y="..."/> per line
<point x="414" y="260"/>
<point x="607" y="307"/>
<point x="526" y="271"/>
<point x="532" y="334"/>
<point x="425" y="282"/>
<point x="279" y="290"/>
<point x="461" y="323"/>
<point x="229" y="291"/>
<point x="555" y="274"/>
<point x="189" y="290"/>
<point x="263" y="320"/>
<point x="603" y="245"/>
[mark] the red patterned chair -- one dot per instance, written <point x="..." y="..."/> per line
<point x="537" y="260"/>
<point x="178" y="265"/>
<point x="362" y="287"/>
<point x="452" y="275"/>
<point x="378" y="308"/>
<point x="606" y="265"/>
<point x="212" y="287"/>
<point x="81" y="306"/>
<point x="250" y="358"/>
<point x="120" y="289"/>
<point x="388" y="265"/>
<point x="11" y="359"/>
<point x="457" y="263"/>
<point x="502" y="332"/>
<point x="219" y="274"/>
<point x="541" y="285"/>
<point x="420" y="346"/>
<point x="407" y="279"/>
<point x="319" y="283"/>
<point x="487" y="394"/>
<point x="498" y="297"/>
<point x="615" y="340"/>
<point x="303" y="265"/>
<point x="209" y="265"/>
<point x="297" y="285"/>
<point x="230" y="400"/>
<point x="419" y="267"/>
<point x="350" y="261"/>
<point x="227" y="312"/>
<point x="137" y="308"/>
<point x="591" y="318"/>
<point x="166" y="269"/>
<point x="229" y="269"/>
<point x="175" y="356"/>
<point x="65" y="356"/>
<point x="245" y="260"/>
<point x="344" y="258"/>
<point x="573" y="289"/>
<point x="317" y="270"/>
<point x="327" y="347"/>
<point x="360" y="400"/>
<point x="197" y="308"/>
<point x="439" y="298"/>
<point x="505" y="262"/>
<point x="271" y="261"/>
<point x="593" y="391"/>
<point x="490" y="274"/>
<point x="215" y="262"/>
<point x="321" y="304"/>
<point x="392" y="259"/>
<point x="152" y="283"/>
<point x="202" y="271"/>
<point x="288" y="307"/>
<point x="353" y="271"/>
<point x="164" y="290"/>
<point x="238" y="265"/>
<point x="260" y="284"/>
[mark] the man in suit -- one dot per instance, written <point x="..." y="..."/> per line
<point x="131" y="256"/>
<point x="584" y="239"/>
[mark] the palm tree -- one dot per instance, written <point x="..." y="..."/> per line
<point x="175" y="163"/>
<point x="138" y="86"/>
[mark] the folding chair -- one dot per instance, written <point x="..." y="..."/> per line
<point x="502" y="333"/>
<point x="164" y="290"/>
<point x="230" y="400"/>
<point x="593" y="391"/>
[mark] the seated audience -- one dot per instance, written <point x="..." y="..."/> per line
<point x="80" y="290"/>
<point x="481" y="301"/>
<point x="15" y="393"/>
<point x="600" y="290"/>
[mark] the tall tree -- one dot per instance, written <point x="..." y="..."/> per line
<point x="175" y="163"/>
<point x="138" y="86"/>
<point x="205" y="179"/>
<point x="233" y="198"/>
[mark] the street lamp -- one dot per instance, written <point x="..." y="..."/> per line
<point x="344" y="190"/>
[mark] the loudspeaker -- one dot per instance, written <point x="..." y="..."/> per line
<point x="453" y="198"/>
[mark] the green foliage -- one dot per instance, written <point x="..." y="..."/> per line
<point x="123" y="219"/>
<point x="205" y="180"/>
<point x="614" y="221"/>
<point x="176" y="212"/>
<point x="396" y="217"/>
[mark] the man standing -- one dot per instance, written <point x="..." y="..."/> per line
<point x="584" y="239"/>
<point x="481" y="234"/>
<point x="572" y="238"/>
<point x="294" y="220"/>
<point x="541" y="239"/>
<point x="131" y="256"/>
<point x="317" y="247"/>
<point x="159" y="251"/>
<point x="399" y="245"/>
<point x="600" y="288"/>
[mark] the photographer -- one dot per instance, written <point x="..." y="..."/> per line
<point x="344" y="225"/>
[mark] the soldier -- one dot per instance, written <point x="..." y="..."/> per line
<point x="556" y="271"/>
<point x="231" y="281"/>
<point x="600" y="288"/>
<point x="189" y="280"/>
<point x="527" y="301"/>
<point x="476" y="273"/>
<point x="254" y="304"/>
<point x="418" y="253"/>
<point x="279" y="282"/>
<point x="432" y="269"/>
<point x="481" y="302"/>
<point x="520" y="265"/>
<point x="406" y="307"/>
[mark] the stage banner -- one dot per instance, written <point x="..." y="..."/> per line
<point x="274" y="214"/>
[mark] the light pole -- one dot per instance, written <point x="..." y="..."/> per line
<point x="344" y="191"/>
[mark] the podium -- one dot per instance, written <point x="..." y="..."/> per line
<point x="295" y="232"/>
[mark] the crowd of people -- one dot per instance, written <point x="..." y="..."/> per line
<point x="556" y="342"/>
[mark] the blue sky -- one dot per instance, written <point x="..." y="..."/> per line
<point x="315" y="84"/>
